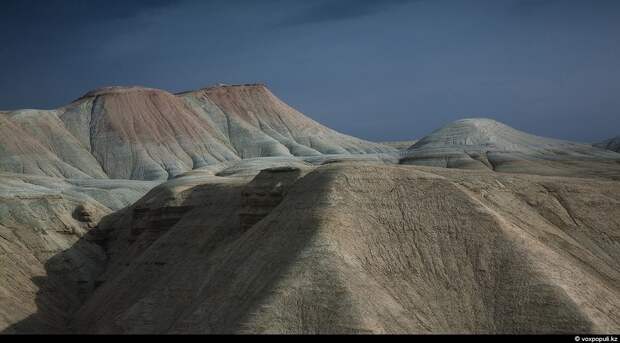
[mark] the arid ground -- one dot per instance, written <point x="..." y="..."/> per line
<point x="224" y="210"/>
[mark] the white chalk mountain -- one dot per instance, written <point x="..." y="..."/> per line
<point x="479" y="143"/>
<point x="273" y="223"/>
<point x="150" y="134"/>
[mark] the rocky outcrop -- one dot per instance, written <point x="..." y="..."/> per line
<point x="353" y="247"/>
<point x="50" y="251"/>
<point x="265" y="192"/>
<point x="86" y="213"/>
<point x="152" y="223"/>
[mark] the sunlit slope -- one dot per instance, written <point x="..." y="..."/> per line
<point x="480" y="143"/>
<point x="148" y="134"/>
<point x="354" y="247"/>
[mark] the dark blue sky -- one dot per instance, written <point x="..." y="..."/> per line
<point x="381" y="70"/>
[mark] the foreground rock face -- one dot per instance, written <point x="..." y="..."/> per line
<point x="480" y="143"/>
<point x="149" y="134"/>
<point x="361" y="247"/>
<point x="265" y="193"/>
<point x="50" y="255"/>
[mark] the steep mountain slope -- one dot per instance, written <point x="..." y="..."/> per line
<point x="358" y="247"/>
<point x="487" y="144"/>
<point x="47" y="264"/>
<point x="149" y="134"/>
<point x="36" y="142"/>
<point x="251" y="113"/>
<point x="612" y="144"/>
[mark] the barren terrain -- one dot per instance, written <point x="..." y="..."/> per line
<point x="224" y="210"/>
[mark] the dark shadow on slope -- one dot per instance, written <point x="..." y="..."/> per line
<point x="71" y="278"/>
<point x="242" y="269"/>
<point x="152" y="256"/>
<point x="520" y="298"/>
<point x="527" y="302"/>
<point x="248" y="272"/>
<point x="70" y="281"/>
<point x="248" y="278"/>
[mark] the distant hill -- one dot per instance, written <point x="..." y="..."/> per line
<point x="612" y="144"/>
<point x="480" y="143"/>
<point x="400" y="145"/>
<point x="150" y="134"/>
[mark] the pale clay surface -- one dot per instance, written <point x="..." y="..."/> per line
<point x="149" y="134"/>
<point x="244" y="237"/>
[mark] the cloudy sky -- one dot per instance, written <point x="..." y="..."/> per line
<point x="381" y="70"/>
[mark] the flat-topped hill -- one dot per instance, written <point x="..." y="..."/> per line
<point x="149" y="134"/>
